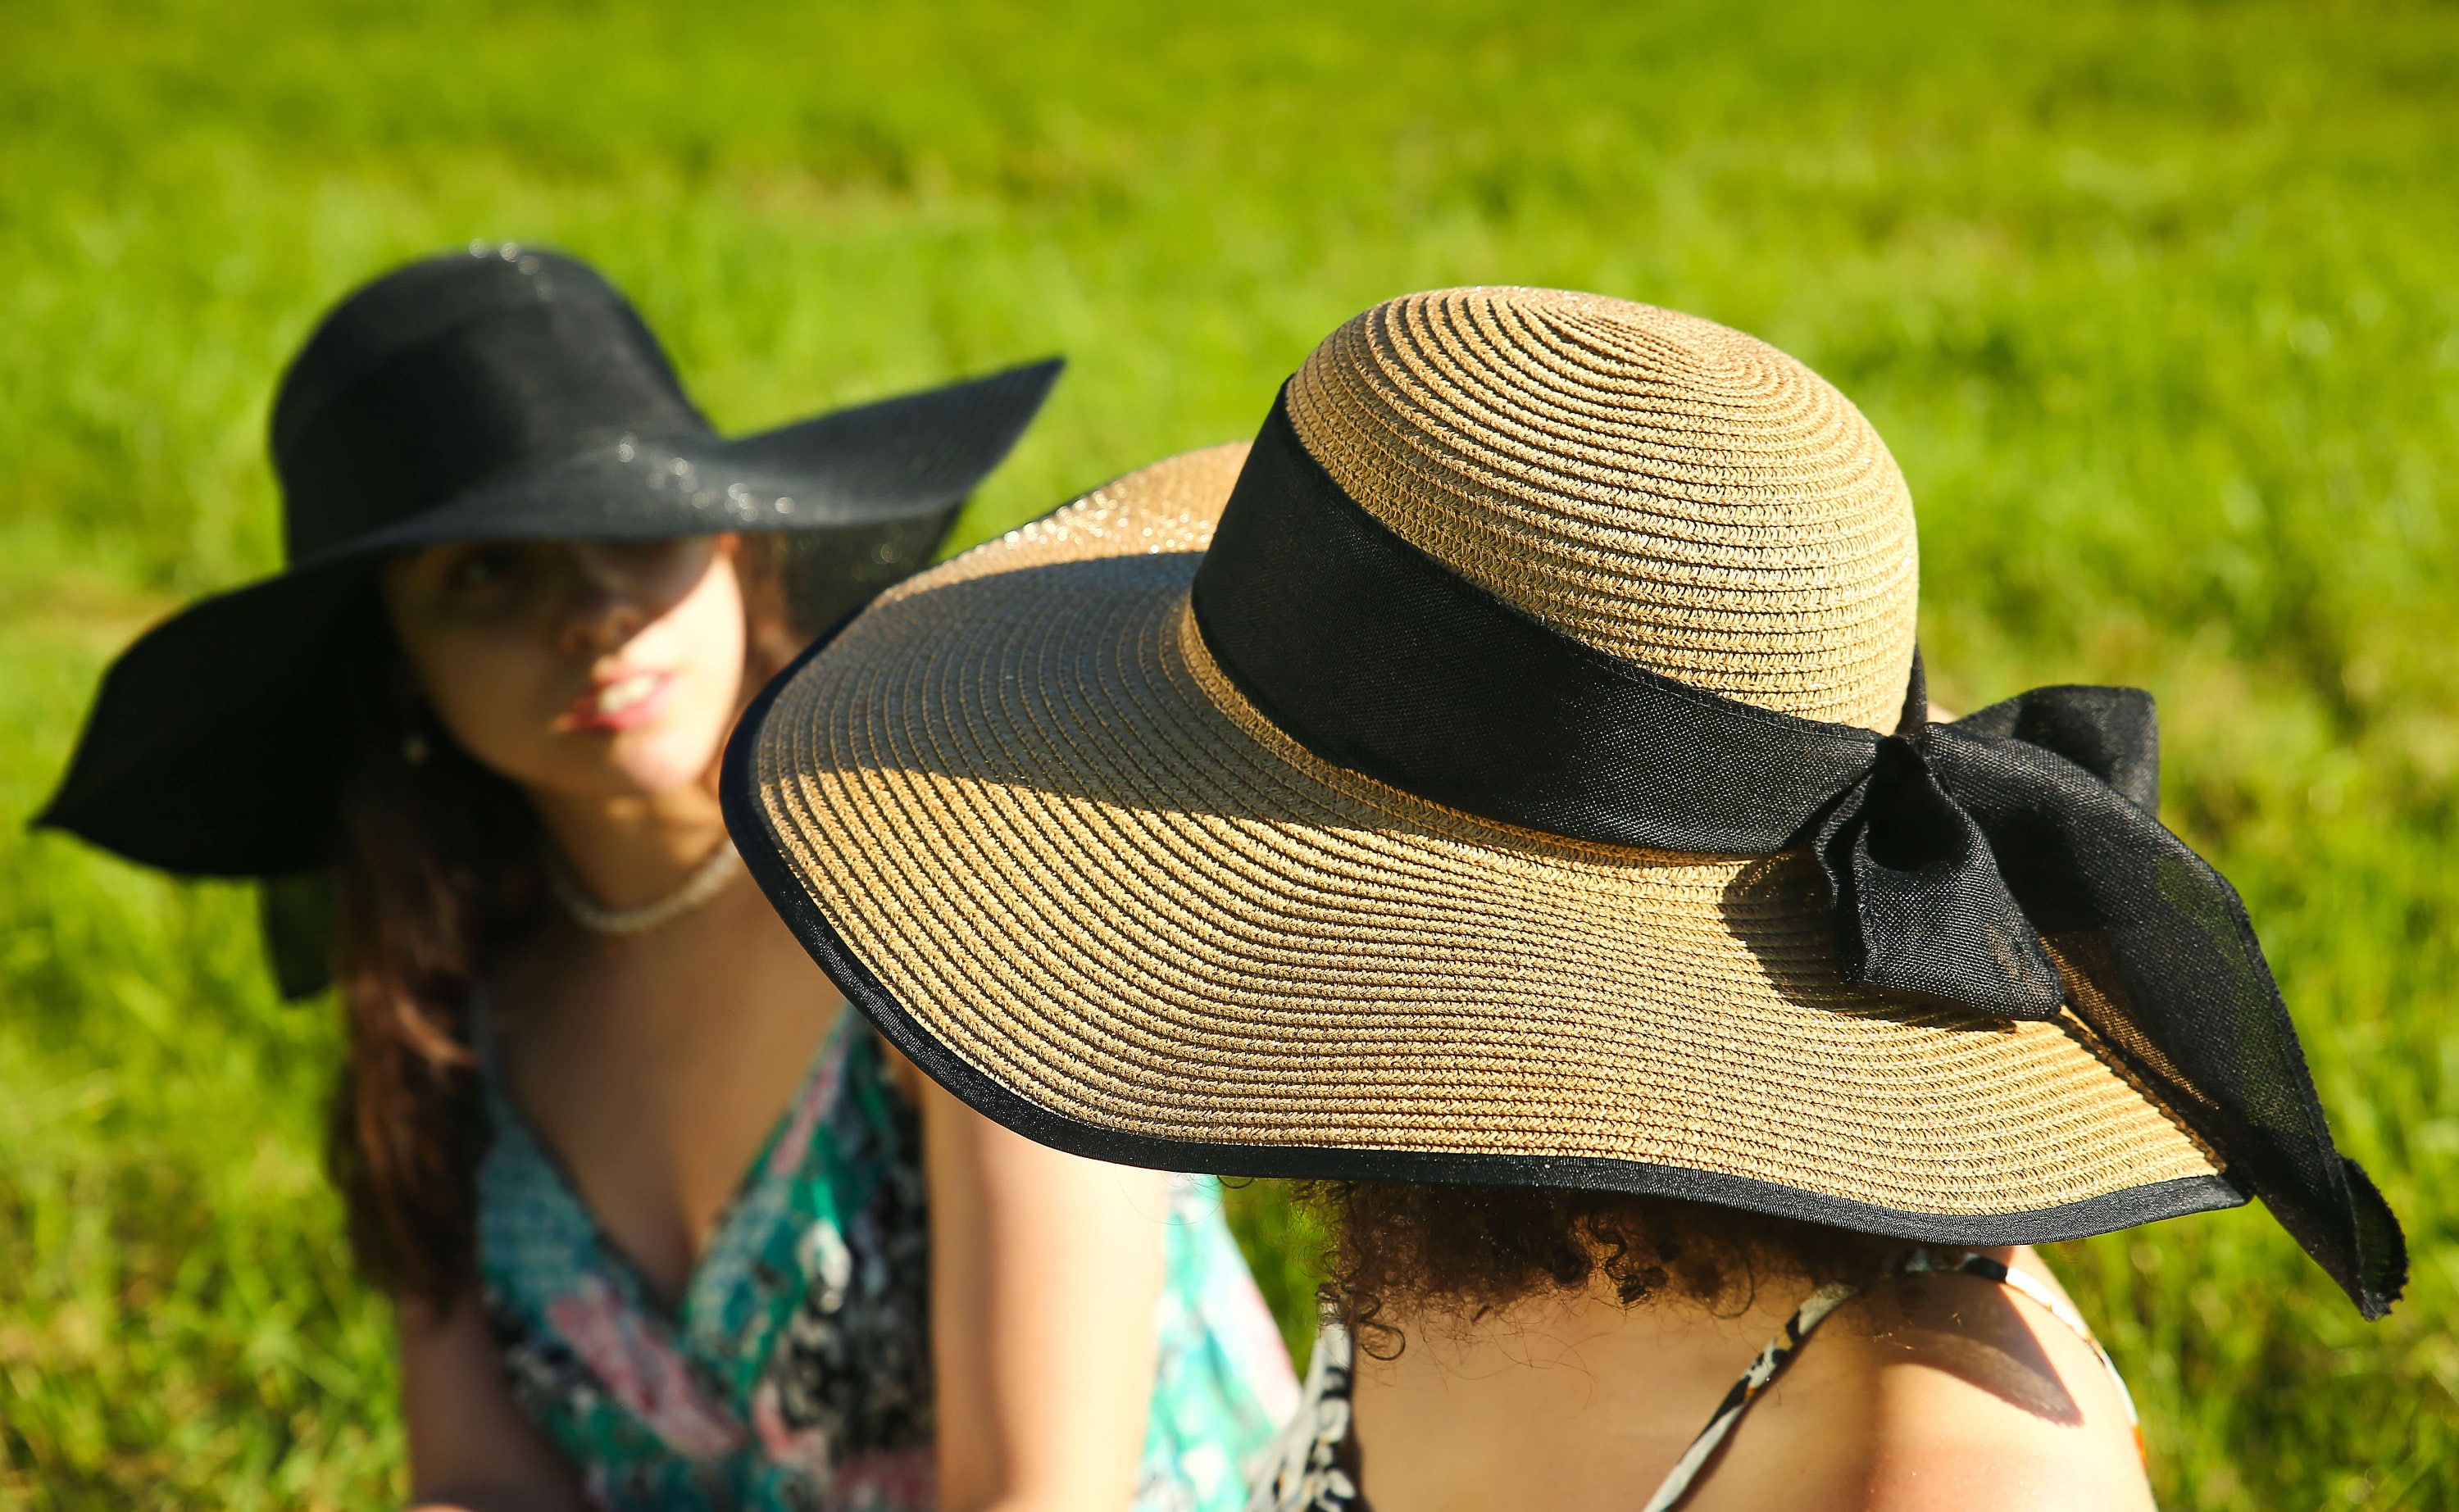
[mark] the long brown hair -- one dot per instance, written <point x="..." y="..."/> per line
<point x="437" y="872"/>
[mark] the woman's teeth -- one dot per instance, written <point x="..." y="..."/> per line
<point x="616" y="697"/>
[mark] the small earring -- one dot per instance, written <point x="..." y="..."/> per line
<point x="414" y="748"/>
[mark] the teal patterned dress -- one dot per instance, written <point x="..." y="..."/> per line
<point x="795" y="1373"/>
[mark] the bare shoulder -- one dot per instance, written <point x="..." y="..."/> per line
<point x="1934" y="1393"/>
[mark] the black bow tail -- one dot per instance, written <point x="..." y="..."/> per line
<point x="2162" y="961"/>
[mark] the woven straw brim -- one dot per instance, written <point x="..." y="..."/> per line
<point x="1030" y="828"/>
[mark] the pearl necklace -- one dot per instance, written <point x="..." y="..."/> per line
<point x="695" y="890"/>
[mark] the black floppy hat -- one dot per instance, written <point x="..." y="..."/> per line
<point x="504" y="393"/>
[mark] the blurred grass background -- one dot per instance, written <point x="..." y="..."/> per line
<point x="2156" y="304"/>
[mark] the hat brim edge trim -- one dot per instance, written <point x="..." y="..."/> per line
<point x="766" y="860"/>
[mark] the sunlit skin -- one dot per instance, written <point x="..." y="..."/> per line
<point x="603" y="678"/>
<point x="1934" y="1393"/>
<point x="600" y="677"/>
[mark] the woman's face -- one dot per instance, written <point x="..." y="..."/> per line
<point x="588" y="670"/>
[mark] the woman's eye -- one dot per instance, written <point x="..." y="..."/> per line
<point x="480" y="569"/>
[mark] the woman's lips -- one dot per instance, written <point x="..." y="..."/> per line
<point x="628" y="702"/>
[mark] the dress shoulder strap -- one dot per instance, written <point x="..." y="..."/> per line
<point x="1771" y="1363"/>
<point x="1781" y="1349"/>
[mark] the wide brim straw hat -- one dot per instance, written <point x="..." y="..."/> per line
<point x="504" y="393"/>
<point x="1075" y="819"/>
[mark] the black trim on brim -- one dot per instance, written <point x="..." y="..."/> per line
<point x="212" y="747"/>
<point x="766" y="862"/>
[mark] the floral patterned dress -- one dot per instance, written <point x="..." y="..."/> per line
<point x="795" y="1372"/>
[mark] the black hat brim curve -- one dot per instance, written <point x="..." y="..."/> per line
<point x="214" y="747"/>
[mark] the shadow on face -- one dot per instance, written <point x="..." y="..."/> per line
<point x="591" y="669"/>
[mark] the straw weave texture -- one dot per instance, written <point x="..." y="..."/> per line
<point x="1025" y="799"/>
<point x="1654" y="484"/>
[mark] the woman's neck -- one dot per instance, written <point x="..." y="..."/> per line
<point x="1570" y="1404"/>
<point x="631" y="850"/>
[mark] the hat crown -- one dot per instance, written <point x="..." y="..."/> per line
<point x="452" y="370"/>
<point x="1663" y="487"/>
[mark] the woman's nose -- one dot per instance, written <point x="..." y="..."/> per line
<point x="602" y="611"/>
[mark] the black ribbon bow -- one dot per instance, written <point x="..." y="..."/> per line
<point x="1922" y="904"/>
<point x="2009" y="863"/>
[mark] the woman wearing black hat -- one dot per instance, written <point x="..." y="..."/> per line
<point x="668" y="1226"/>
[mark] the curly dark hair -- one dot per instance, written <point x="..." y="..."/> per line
<point x="1404" y="1254"/>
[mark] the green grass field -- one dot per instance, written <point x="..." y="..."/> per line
<point x="2157" y="305"/>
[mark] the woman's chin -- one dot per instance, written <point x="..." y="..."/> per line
<point x="635" y="768"/>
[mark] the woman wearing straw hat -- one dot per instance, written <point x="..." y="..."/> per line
<point x="669" y="1226"/>
<point x="1504" y="798"/>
